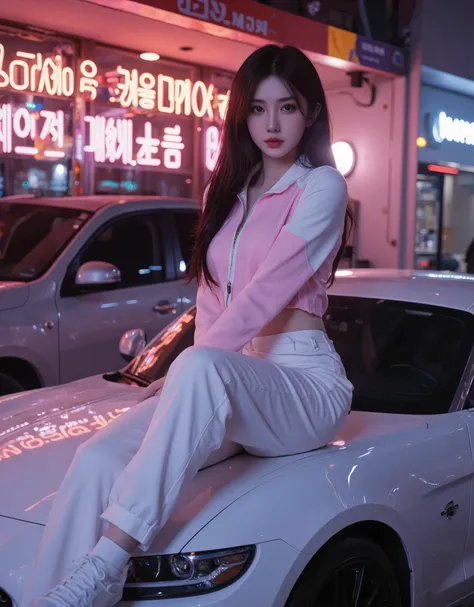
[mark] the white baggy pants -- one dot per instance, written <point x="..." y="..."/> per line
<point x="285" y="394"/>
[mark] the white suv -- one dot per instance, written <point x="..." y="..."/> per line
<point x="78" y="272"/>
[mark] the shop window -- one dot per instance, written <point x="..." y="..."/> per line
<point x="37" y="147"/>
<point x="115" y="180"/>
<point x="444" y="220"/>
<point x="36" y="112"/>
<point x="458" y="218"/>
<point x="29" y="176"/>
<point x="138" y="139"/>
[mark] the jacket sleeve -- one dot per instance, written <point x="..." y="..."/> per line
<point x="302" y="246"/>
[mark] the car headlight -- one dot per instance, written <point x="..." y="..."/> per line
<point x="178" y="575"/>
<point x="5" y="600"/>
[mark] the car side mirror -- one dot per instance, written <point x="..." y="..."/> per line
<point x="97" y="274"/>
<point x="132" y="343"/>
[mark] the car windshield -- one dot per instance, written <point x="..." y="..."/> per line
<point x="401" y="357"/>
<point x="32" y="236"/>
<point x="155" y="360"/>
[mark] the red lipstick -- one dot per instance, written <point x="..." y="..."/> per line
<point x="274" y="142"/>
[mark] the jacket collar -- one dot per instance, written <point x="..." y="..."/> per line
<point x="295" y="172"/>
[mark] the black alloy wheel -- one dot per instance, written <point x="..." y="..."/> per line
<point x="354" y="572"/>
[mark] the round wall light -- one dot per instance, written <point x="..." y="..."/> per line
<point x="345" y="157"/>
<point x="149" y="56"/>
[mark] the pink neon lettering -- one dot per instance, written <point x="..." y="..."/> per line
<point x="25" y="150"/>
<point x="149" y="146"/>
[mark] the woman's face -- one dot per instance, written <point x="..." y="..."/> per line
<point x="276" y="123"/>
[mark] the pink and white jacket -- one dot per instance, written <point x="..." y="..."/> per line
<point x="280" y="256"/>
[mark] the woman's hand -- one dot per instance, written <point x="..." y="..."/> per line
<point x="152" y="390"/>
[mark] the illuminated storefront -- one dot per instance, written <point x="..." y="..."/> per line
<point x="81" y="118"/>
<point x="36" y="114"/>
<point x="445" y="182"/>
<point x="145" y="122"/>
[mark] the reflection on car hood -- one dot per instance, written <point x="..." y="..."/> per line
<point x="13" y="295"/>
<point x="40" y="431"/>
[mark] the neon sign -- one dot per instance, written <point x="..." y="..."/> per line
<point x="218" y="12"/>
<point x="88" y="82"/>
<point x="33" y="129"/>
<point x="456" y="130"/>
<point x="113" y="140"/>
<point x="37" y="73"/>
<point x="168" y="95"/>
<point x="212" y="147"/>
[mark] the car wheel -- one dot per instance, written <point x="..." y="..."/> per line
<point x="354" y="572"/>
<point x="9" y="385"/>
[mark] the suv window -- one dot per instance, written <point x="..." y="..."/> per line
<point x="133" y="245"/>
<point x="186" y="223"/>
<point x="33" y="235"/>
<point x="401" y="357"/>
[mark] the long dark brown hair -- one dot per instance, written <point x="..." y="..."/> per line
<point x="239" y="154"/>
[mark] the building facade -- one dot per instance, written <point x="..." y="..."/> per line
<point x="438" y="204"/>
<point x="80" y="117"/>
<point x="83" y="112"/>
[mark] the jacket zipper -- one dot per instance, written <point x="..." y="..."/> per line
<point x="233" y="248"/>
<point x="235" y="240"/>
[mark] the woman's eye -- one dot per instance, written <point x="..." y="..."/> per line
<point x="289" y="107"/>
<point x="256" y="109"/>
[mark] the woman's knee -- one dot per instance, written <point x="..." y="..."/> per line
<point x="197" y="361"/>
<point x="96" y="456"/>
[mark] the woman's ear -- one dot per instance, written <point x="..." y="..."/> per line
<point x="314" y="115"/>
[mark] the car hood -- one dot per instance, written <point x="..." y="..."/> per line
<point x="13" y="295"/>
<point x="41" y="430"/>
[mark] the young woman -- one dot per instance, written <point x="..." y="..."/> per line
<point x="263" y="372"/>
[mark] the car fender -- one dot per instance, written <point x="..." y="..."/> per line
<point x="260" y="513"/>
<point x="308" y="503"/>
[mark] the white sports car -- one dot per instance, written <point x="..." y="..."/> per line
<point x="383" y="516"/>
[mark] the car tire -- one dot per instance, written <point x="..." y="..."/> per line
<point x="341" y="570"/>
<point x="9" y="385"/>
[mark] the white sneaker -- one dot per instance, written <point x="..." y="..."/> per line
<point x="91" y="583"/>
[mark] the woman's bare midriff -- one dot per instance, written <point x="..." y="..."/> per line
<point x="291" y="319"/>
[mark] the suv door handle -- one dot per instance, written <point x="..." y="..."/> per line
<point x="165" y="307"/>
